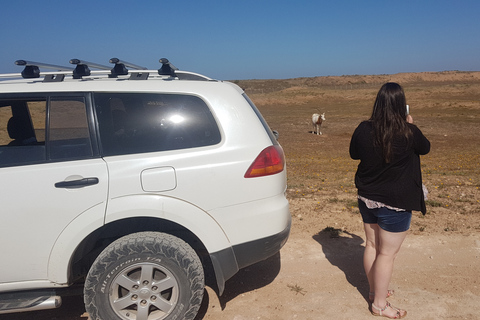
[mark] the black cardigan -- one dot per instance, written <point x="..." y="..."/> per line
<point x="398" y="183"/>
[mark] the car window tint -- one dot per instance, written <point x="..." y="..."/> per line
<point x="69" y="136"/>
<point x="22" y="131"/>
<point x="136" y="123"/>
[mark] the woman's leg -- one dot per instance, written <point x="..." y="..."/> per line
<point x="388" y="245"/>
<point x="370" y="253"/>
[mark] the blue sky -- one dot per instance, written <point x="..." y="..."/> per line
<point x="251" y="39"/>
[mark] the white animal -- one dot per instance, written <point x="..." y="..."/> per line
<point x="317" y="120"/>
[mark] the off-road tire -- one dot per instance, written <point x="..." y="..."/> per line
<point x="145" y="276"/>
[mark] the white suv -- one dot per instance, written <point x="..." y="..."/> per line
<point x="143" y="185"/>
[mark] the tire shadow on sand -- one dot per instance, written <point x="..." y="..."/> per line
<point x="247" y="279"/>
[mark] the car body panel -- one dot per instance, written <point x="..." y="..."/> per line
<point x="35" y="212"/>
<point x="199" y="190"/>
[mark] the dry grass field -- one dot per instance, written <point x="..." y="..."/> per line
<point x="445" y="106"/>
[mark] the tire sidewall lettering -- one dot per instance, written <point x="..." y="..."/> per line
<point x="164" y="251"/>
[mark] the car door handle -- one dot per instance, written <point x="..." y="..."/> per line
<point x="76" y="183"/>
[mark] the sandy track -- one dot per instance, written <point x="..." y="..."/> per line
<point x="319" y="277"/>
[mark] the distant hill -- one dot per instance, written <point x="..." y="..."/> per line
<point x="360" y="80"/>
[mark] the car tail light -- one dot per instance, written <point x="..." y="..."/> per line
<point x="270" y="161"/>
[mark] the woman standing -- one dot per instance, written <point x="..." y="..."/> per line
<point x="389" y="184"/>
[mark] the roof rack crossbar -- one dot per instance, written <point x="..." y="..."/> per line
<point x="167" y="68"/>
<point x="127" y="64"/>
<point x="32" y="69"/>
<point x="120" y="67"/>
<point x="82" y="68"/>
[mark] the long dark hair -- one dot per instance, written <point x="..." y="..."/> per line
<point x="389" y="118"/>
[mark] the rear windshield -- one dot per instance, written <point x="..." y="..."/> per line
<point x="146" y="122"/>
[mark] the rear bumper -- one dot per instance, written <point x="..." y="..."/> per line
<point x="227" y="262"/>
<point x="252" y="252"/>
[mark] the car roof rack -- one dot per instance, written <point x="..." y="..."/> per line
<point x="167" y="68"/>
<point x="82" y="69"/>
<point x="120" y="67"/>
<point x="32" y="69"/>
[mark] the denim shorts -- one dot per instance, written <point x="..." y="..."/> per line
<point x="387" y="219"/>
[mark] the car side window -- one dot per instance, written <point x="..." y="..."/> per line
<point x="28" y="136"/>
<point x="136" y="123"/>
<point x="69" y="136"/>
<point x="22" y="131"/>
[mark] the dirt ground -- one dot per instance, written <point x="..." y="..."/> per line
<point x="319" y="273"/>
